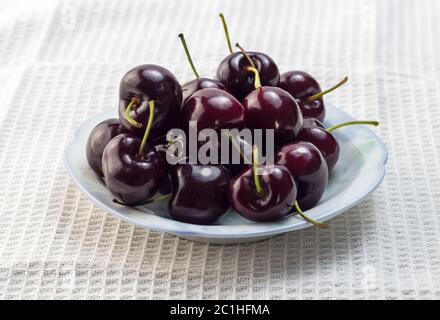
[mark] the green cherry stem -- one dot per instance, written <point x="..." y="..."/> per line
<point x="320" y="94"/>
<point x="188" y="55"/>
<point x="349" y="123"/>
<point x="257" y="81"/>
<point x="225" y="28"/>
<point x="237" y="146"/>
<point x="160" y="198"/>
<point x="257" y="182"/>
<point x="134" y="102"/>
<point x="301" y="213"/>
<point x="147" y="131"/>
<point x="246" y="55"/>
<point x="252" y="68"/>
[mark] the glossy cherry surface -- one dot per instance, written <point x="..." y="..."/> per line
<point x="191" y="87"/>
<point x="301" y="86"/>
<point x="309" y="169"/>
<point x="273" y="108"/>
<point x="324" y="141"/>
<point x="276" y="200"/>
<point x="239" y="81"/>
<point x="132" y="177"/>
<point x="200" y="193"/>
<point x="212" y="108"/>
<point x="150" y="82"/>
<point x="99" y="137"/>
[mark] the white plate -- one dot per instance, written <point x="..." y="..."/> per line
<point x="358" y="172"/>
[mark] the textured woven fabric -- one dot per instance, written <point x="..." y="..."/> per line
<point x="61" y="61"/>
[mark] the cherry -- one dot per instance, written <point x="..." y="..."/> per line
<point x="233" y="73"/>
<point x="306" y="90"/>
<point x="267" y="196"/>
<point x="309" y="169"/>
<point x="191" y="87"/>
<point x="141" y="85"/>
<point x="200" y="193"/>
<point x="133" y="170"/>
<point x="212" y="108"/>
<point x="272" y="108"/>
<point x="99" y="137"/>
<point x="324" y="140"/>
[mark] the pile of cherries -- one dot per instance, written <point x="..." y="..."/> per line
<point x="248" y="92"/>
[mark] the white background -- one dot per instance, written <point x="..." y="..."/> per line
<point x="61" y="61"/>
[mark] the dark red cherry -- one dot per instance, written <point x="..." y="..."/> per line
<point x="233" y="73"/>
<point x="98" y="139"/>
<point x="314" y="132"/>
<point x="212" y="108"/>
<point x="199" y="193"/>
<point x="273" y="108"/>
<point x="299" y="84"/>
<point x="306" y="90"/>
<point x="309" y="169"/>
<point x="132" y="176"/>
<point x="141" y="85"/>
<point x="133" y="169"/>
<point x="191" y="87"/>
<point x="275" y="200"/>
<point x="324" y="141"/>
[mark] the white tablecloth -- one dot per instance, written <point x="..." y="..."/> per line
<point x="61" y="61"/>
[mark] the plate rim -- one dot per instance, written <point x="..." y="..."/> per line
<point x="210" y="231"/>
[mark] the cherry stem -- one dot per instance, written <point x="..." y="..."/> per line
<point x="314" y="222"/>
<point x="257" y="82"/>
<point x="257" y="182"/>
<point x="320" y="94"/>
<point x="246" y="55"/>
<point x="349" y="123"/>
<point x="134" y="101"/>
<point x="147" y="131"/>
<point x="188" y="55"/>
<point x="237" y="146"/>
<point x="225" y="28"/>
